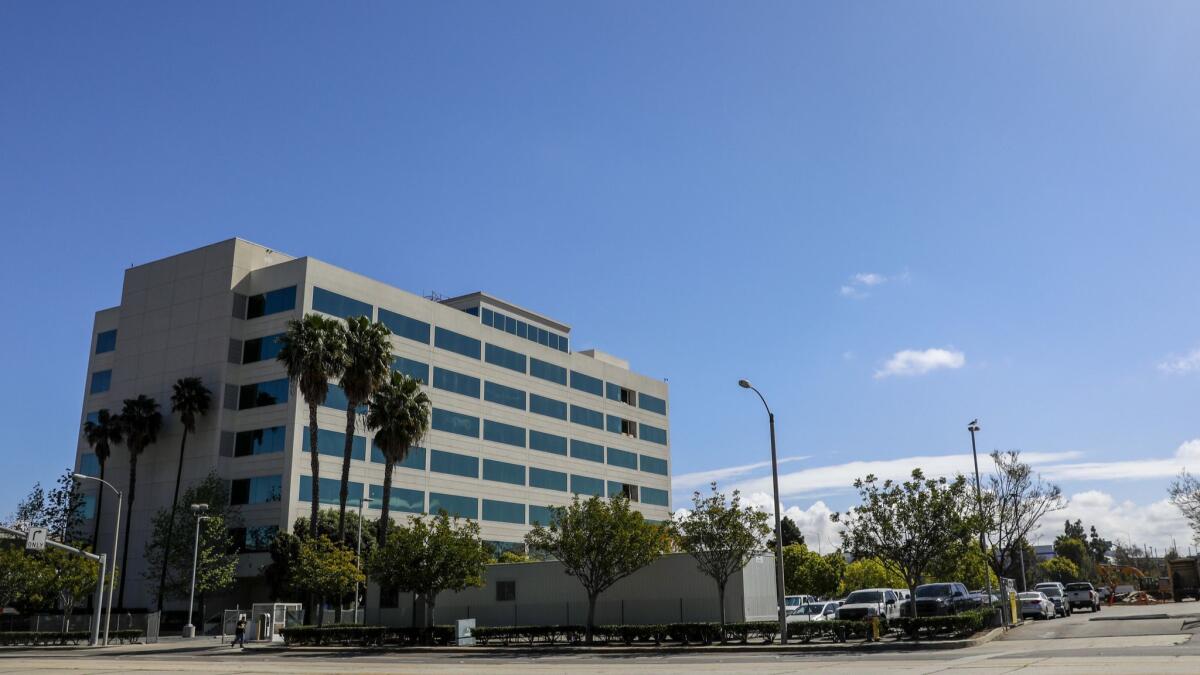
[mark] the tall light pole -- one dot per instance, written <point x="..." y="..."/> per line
<point x="116" y="535"/>
<point x="987" y="575"/>
<point x="358" y="555"/>
<point x="779" y="590"/>
<point x="189" y="631"/>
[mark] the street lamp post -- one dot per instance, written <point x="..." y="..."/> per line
<point x="189" y="631"/>
<point x="358" y="555"/>
<point x="116" y="535"/>
<point x="779" y="590"/>
<point x="987" y="576"/>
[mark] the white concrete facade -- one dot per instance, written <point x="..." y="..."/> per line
<point x="177" y="319"/>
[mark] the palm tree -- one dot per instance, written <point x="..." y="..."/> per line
<point x="368" y="362"/>
<point x="190" y="398"/>
<point x="140" y="422"/>
<point x="399" y="416"/>
<point x="101" y="435"/>
<point x="313" y="352"/>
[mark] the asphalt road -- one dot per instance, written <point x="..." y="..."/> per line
<point x="1121" y="640"/>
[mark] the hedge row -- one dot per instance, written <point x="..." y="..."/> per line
<point x="836" y="630"/>
<point x="46" y="638"/>
<point x="366" y="636"/>
<point x="930" y="626"/>
<point x="683" y="633"/>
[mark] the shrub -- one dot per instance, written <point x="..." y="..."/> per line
<point x="365" y="636"/>
<point x="43" y="638"/>
<point x="932" y="626"/>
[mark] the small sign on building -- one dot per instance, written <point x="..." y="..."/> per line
<point x="35" y="540"/>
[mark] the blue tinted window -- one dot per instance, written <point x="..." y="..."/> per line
<point x="456" y="342"/>
<point x="547" y="406"/>
<point x="654" y="465"/>
<point x="333" y="443"/>
<point x="547" y="371"/>
<point x="89" y="465"/>
<point x="653" y="434"/>
<point x="259" y="490"/>
<point x="455" y="423"/>
<point x="456" y="382"/>
<point x="261" y="349"/>
<point x="414" y="369"/>
<point x="259" y="441"/>
<point x="405" y="327"/>
<point x="93" y="417"/>
<point x="401" y="500"/>
<point x="336" y="398"/>
<point x="540" y="515"/>
<point x="331" y="491"/>
<point x="462" y="507"/>
<point x="539" y="440"/>
<point x="613" y="423"/>
<point x="101" y="381"/>
<point x="547" y="480"/>
<point x="415" y="459"/>
<point x="503" y="433"/>
<point x="612" y="391"/>
<point x="589" y="451"/>
<point x="87" y="507"/>
<point x="654" y="496"/>
<point x="503" y="512"/>
<point x="262" y="394"/>
<point x="504" y="358"/>
<point x="453" y="463"/>
<point x="106" y="341"/>
<point x="622" y="458"/>
<point x="653" y="404"/>
<point x="503" y="472"/>
<point x="498" y="393"/>
<point x="253" y="539"/>
<point x="272" y="302"/>
<point x="583" y="485"/>
<point x="587" y="417"/>
<point x="591" y="385"/>
<point x="340" y="306"/>
<point x="627" y="490"/>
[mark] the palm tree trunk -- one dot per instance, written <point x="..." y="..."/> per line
<point x="387" y="502"/>
<point x="96" y="517"/>
<point x="133" y="458"/>
<point x="345" y="491"/>
<point x="162" y="577"/>
<point x="315" y="467"/>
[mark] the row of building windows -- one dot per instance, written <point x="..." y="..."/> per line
<point x="521" y="329"/>
<point x="271" y="302"/>
<point x="262" y="348"/>
<point x="335" y="304"/>
<point x="260" y="394"/>
<point x="252" y="539"/>
<point x="106" y="341"/>
<point x="256" y="490"/>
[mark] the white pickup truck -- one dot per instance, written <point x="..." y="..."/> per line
<point x="1081" y="594"/>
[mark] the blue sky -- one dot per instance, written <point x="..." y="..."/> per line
<point x="794" y="193"/>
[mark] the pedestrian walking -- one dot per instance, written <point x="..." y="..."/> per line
<point x="239" y="635"/>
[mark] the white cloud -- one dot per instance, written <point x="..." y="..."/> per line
<point x="1187" y="453"/>
<point x="853" y="292"/>
<point x="1181" y="365"/>
<point x="700" y="479"/>
<point x="1155" y="524"/>
<point x="913" y="362"/>
<point x="869" y="279"/>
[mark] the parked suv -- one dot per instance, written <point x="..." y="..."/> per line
<point x="1057" y="594"/>
<point x="1081" y="594"/>
<point x="869" y="602"/>
<point x="943" y="599"/>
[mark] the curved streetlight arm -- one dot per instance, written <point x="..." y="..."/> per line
<point x="760" y="397"/>
<point x="80" y="476"/>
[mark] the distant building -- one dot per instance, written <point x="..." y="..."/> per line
<point x="1044" y="552"/>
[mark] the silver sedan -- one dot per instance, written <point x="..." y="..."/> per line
<point x="1036" y="604"/>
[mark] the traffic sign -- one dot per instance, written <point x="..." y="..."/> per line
<point x="35" y="540"/>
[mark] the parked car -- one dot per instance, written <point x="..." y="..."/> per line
<point x="1057" y="594"/>
<point x="980" y="597"/>
<point x="1081" y="594"/>
<point x="791" y="602"/>
<point x="813" y="611"/>
<point x="869" y="602"/>
<point x="903" y="595"/>
<point x="942" y="599"/>
<point x="1036" y="604"/>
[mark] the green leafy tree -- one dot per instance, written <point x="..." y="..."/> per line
<point x="1015" y="501"/>
<point x="173" y="540"/>
<point x="326" y="569"/>
<point x="1098" y="547"/>
<point x="809" y="572"/>
<point x="140" y="423"/>
<point x="285" y="548"/>
<point x="512" y="557"/>
<point x="869" y="573"/>
<point x="18" y="575"/>
<point x="399" y="416"/>
<point x="791" y="534"/>
<point x="599" y="543"/>
<point x="59" y="510"/>
<point x="368" y="360"/>
<point x="1074" y="530"/>
<point x="68" y="577"/>
<point x="101" y="435"/>
<point x="189" y="399"/>
<point x="1075" y="550"/>
<point x="1184" y="493"/>
<point x="1058" y="569"/>
<point x="313" y="350"/>
<point x="723" y="536"/>
<point x="968" y="565"/>
<point x="429" y="555"/>
<point x="908" y="526"/>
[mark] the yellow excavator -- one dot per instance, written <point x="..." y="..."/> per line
<point x="1116" y="575"/>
